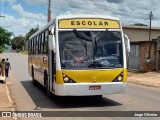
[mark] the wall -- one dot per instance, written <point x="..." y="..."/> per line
<point x="137" y="34"/>
<point x="144" y="56"/>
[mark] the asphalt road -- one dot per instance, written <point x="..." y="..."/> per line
<point x="29" y="97"/>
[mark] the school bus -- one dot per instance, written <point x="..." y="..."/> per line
<point x="79" y="55"/>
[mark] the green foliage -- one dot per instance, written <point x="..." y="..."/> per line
<point x="4" y="39"/>
<point x="31" y="32"/>
<point x="140" y="24"/>
<point x="18" y="42"/>
<point x="25" y="52"/>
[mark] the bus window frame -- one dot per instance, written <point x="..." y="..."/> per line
<point x="46" y="41"/>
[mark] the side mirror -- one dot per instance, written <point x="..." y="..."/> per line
<point x="127" y="43"/>
<point x="51" y="41"/>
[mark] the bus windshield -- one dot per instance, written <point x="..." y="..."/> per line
<point x="90" y="49"/>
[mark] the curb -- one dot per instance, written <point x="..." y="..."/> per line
<point x="10" y="100"/>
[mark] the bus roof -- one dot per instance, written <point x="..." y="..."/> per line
<point x="85" y="16"/>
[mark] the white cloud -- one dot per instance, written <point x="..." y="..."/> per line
<point x="19" y="9"/>
<point x="27" y="20"/>
<point x="128" y="11"/>
<point x="20" y="26"/>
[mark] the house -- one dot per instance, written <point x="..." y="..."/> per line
<point x="139" y="40"/>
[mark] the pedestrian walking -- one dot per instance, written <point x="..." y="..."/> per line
<point x="2" y="67"/>
<point x="7" y="67"/>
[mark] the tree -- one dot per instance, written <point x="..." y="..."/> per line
<point x="31" y="32"/>
<point x="140" y="24"/>
<point x="18" y="43"/>
<point x="4" y="39"/>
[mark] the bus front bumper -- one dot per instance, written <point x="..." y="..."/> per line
<point x="88" y="89"/>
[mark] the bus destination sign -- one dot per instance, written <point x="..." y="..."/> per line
<point x="88" y="23"/>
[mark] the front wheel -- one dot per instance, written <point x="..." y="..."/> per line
<point x="98" y="96"/>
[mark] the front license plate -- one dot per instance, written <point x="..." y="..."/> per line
<point x="94" y="87"/>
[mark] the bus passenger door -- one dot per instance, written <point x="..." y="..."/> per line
<point x="51" y="69"/>
<point x="51" y="45"/>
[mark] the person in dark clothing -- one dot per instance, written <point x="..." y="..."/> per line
<point x="7" y="67"/>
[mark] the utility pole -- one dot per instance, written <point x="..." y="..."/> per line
<point x="49" y="10"/>
<point x="150" y="18"/>
<point x="1" y="16"/>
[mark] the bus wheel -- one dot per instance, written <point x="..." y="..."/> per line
<point x="46" y="84"/>
<point x="33" y="79"/>
<point x="98" y="96"/>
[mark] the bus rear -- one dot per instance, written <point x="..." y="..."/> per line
<point x="90" y="56"/>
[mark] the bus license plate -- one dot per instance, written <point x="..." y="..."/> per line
<point x="94" y="87"/>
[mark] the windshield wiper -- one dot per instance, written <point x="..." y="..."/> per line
<point x="81" y="40"/>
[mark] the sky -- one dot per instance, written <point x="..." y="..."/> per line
<point x="22" y="15"/>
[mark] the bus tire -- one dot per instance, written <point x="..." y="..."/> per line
<point x="4" y="81"/>
<point x="46" y="84"/>
<point x="33" y="79"/>
<point x="98" y="96"/>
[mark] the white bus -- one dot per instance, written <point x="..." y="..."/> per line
<point x="79" y="55"/>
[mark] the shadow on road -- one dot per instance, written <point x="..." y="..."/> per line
<point x="40" y="98"/>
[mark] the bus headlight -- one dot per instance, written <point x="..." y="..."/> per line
<point x="119" y="78"/>
<point x="66" y="79"/>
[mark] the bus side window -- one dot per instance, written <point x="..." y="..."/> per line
<point x="42" y="40"/>
<point x="37" y="42"/>
<point x="39" y="46"/>
<point x="31" y="46"/>
<point x="46" y="42"/>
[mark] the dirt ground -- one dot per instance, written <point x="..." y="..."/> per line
<point x="151" y="79"/>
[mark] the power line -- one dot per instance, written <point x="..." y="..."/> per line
<point x="108" y="6"/>
<point x="5" y="6"/>
<point x="61" y="3"/>
<point x="0" y="7"/>
<point x="144" y="4"/>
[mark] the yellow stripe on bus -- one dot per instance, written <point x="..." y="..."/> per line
<point x="59" y="78"/>
<point x="90" y="76"/>
<point x="125" y="75"/>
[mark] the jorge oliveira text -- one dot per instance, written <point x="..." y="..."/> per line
<point x="145" y="114"/>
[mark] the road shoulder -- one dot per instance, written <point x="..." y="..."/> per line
<point x="151" y="79"/>
<point x="6" y="102"/>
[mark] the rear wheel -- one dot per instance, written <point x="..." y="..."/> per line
<point x="33" y="79"/>
<point x="4" y="81"/>
<point x="46" y="84"/>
